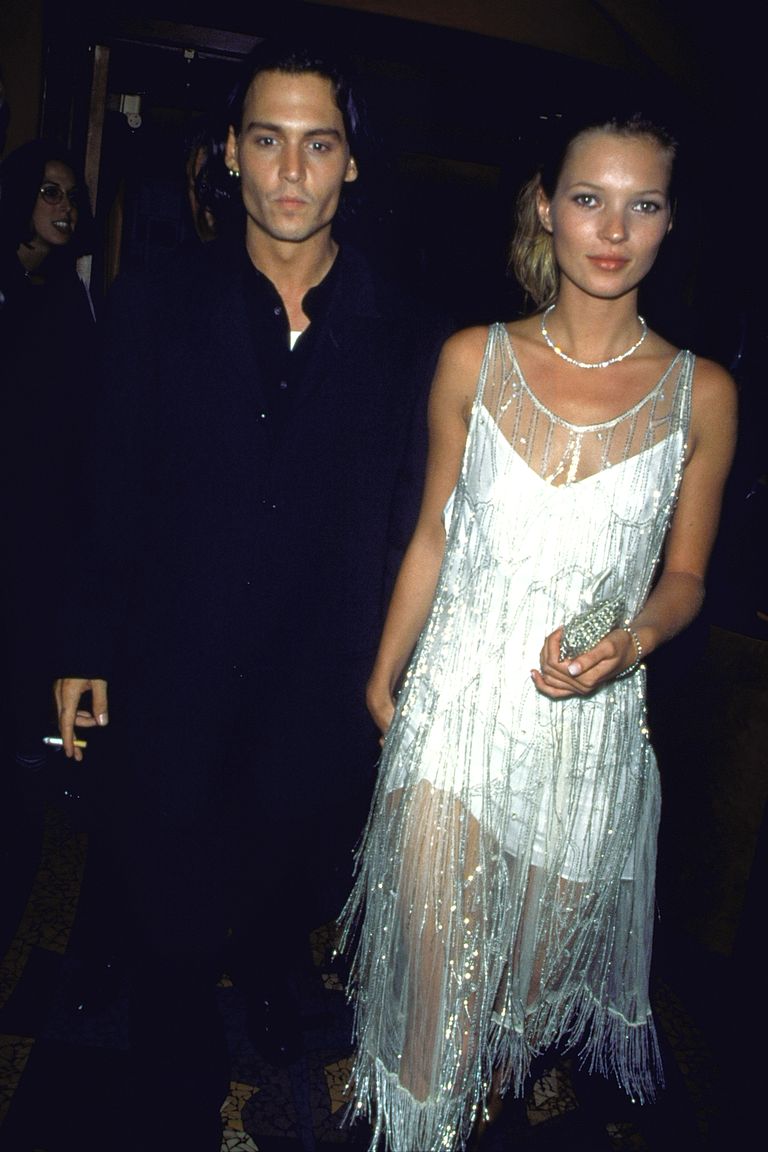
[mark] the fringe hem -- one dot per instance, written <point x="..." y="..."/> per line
<point x="605" y="1042"/>
<point x="400" y="1122"/>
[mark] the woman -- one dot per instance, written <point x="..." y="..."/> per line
<point x="46" y="341"/>
<point x="42" y="202"/>
<point x="504" y="896"/>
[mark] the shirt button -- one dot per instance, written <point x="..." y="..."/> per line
<point x="278" y="311"/>
<point x="283" y="384"/>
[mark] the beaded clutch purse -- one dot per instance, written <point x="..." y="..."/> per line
<point x="585" y="630"/>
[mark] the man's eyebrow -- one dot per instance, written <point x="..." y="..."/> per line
<point x="278" y="129"/>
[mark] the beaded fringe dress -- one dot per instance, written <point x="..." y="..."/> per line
<point x="504" y="894"/>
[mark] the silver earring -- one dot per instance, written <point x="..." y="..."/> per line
<point x="235" y="172"/>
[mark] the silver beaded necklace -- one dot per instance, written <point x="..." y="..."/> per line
<point x="582" y="363"/>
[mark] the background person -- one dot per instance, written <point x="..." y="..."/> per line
<point x="47" y="342"/>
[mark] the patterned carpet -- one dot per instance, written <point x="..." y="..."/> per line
<point x="61" y="1067"/>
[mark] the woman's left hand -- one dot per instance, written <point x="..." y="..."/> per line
<point x="580" y="675"/>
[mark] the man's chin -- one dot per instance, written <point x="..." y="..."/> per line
<point x="292" y="234"/>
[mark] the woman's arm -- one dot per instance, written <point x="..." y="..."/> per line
<point x="450" y="403"/>
<point x="678" y="594"/>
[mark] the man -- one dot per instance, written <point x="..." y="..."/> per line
<point x="253" y="476"/>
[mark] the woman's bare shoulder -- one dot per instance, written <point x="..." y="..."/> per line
<point x="714" y="405"/>
<point x="713" y="379"/>
<point x="466" y="348"/>
<point x="458" y="369"/>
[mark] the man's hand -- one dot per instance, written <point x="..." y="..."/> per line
<point x="68" y="693"/>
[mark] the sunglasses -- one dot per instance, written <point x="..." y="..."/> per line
<point x="55" y="194"/>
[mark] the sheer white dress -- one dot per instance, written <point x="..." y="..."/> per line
<point x="504" y="895"/>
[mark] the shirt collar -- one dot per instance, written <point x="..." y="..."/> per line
<point x="262" y="292"/>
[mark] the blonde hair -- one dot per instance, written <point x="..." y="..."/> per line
<point x="532" y="253"/>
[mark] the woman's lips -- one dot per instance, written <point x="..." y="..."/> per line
<point x="609" y="263"/>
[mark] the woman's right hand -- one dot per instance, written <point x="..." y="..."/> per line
<point x="381" y="705"/>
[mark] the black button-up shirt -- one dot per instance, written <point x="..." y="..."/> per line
<point x="283" y="368"/>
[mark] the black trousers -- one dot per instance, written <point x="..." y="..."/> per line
<point x="232" y="815"/>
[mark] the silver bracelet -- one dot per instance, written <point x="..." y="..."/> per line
<point x="638" y="648"/>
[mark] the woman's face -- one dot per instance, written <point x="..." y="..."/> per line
<point x="54" y="217"/>
<point x="610" y="211"/>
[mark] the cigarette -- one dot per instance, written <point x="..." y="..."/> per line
<point x="56" y="742"/>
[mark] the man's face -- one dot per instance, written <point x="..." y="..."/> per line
<point x="292" y="155"/>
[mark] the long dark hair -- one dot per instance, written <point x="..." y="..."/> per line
<point x="21" y="174"/>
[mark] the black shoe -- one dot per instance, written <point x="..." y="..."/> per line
<point x="274" y="1026"/>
